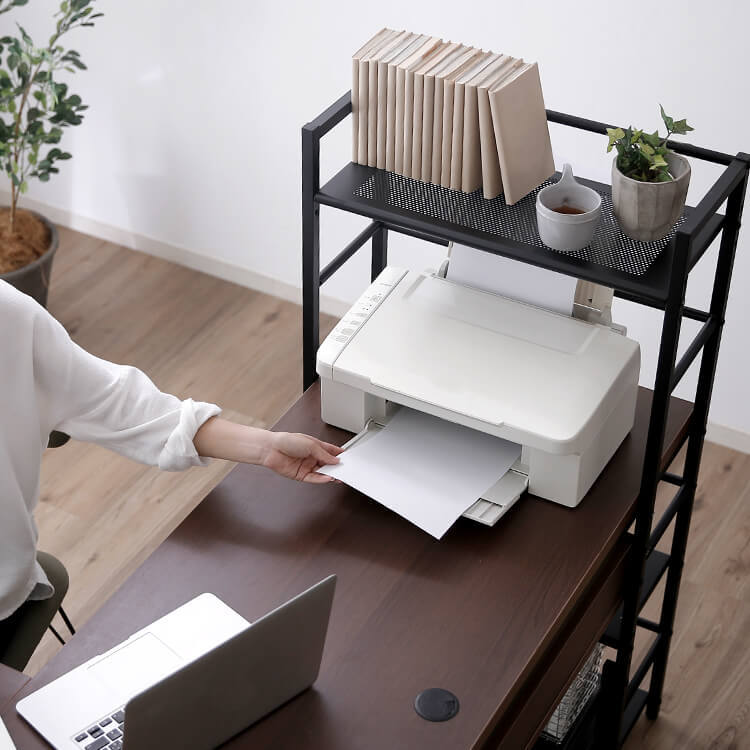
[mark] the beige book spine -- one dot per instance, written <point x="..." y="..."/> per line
<point x="457" y="140"/>
<point x="428" y="122"/>
<point x="355" y="110"/>
<point x="382" y="115"/>
<point x="364" y="100"/>
<point x="390" y="117"/>
<point x="471" y="169"/>
<point x="416" y="146"/>
<point x="449" y="90"/>
<point x="356" y="57"/>
<point x="522" y="135"/>
<point x="398" y="165"/>
<point x="372" y="113"/>
<point x="408" y="121"/>
<point x="437" y="131"/>
<point x="492" y="184"/>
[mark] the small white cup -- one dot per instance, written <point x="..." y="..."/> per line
<point x="567" y="232"/>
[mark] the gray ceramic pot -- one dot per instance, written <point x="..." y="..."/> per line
<point x="647" y="211"/>
<point x="34" y="278"/>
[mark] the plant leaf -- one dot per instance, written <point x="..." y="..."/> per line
<point x="652" y="139"/>
<point x="647" y="149"/>
<point x="615" y="134"/>
<point x="668" y="121"/>
<point x="681" y="127"/>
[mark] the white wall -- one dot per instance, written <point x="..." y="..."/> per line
<point x="193" y="136"/>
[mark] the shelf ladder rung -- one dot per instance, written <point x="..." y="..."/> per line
<point x="633" y="710"/>
<point x="654" y="627"/>
<point x="643" y="668"/>
<point x="663" y="523"/>
<point x="708" y="329"/>
<point x="348" y="251"/>
<point x="694" y="314"/>
<point x="672" y="478"/>
<point x="656" y="563"/>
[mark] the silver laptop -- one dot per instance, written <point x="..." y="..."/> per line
<point x="196" y="676"/>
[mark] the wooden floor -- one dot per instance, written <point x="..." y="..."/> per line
<point x="201" y="337"/>
<point x="194" y="335"/>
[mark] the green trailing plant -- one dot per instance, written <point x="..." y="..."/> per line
<point x="642" y="156"/>
<point x="34" y="105"/>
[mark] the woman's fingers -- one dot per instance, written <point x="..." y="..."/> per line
<point x="331" y="448"/>
<point x="322" y="455"/>
<point x="334" y="450"/>
<point x="315" y="478"/>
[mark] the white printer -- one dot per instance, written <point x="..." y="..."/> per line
<point x="563" y="388"/>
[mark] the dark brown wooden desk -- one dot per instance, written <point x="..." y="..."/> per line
<point x="11" y="683"/>
<point x="501" y="616"/>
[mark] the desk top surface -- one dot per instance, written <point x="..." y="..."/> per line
<point x="472" y="613"/>
<point x="10" y="683"/>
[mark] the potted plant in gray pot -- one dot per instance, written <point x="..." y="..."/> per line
<point x="34" y="108"/>
<point x="649" y="182"/>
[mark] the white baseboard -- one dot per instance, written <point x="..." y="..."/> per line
<point x="729" y="437"/>
<point x="181" y="255"/>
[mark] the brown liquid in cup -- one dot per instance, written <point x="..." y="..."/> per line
<point x="565" y="209"/>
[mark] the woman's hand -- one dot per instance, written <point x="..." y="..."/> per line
<point x="299" y="456"/>
<point x="290" y="454"/>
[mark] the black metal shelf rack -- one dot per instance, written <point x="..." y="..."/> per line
<point x="658" y="280"/>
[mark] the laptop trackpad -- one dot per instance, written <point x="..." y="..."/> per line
<point x="136" y="666"/>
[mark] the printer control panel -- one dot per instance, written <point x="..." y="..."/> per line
<point x="355" y="317"/>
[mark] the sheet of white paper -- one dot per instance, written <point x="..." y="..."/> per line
<point x="425" y="469"/>
<point x="509" y="278"/>
<point x="6" y="743"/>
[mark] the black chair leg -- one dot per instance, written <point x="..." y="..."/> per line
<point x="56" y="634"/>
<point x="67" y="621"/>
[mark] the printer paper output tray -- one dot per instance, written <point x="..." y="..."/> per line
<point x="493" y="504"/>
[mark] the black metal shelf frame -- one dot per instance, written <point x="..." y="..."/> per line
<point x="663" y="287"/>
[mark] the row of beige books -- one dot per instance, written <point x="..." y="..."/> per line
<point x="449" y="114"/>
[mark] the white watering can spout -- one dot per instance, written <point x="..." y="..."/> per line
<point x="567" y="179"/>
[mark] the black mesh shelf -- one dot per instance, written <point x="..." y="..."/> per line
<point x="611" y="247"/>
<point x="636" y="270"/>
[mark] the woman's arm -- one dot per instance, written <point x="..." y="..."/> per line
<point x="290" y="454"/>
<point x="118" y="407"/>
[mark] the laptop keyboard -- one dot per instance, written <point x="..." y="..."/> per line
<point x="103" y="735"/>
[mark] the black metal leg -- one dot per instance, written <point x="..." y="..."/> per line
<point x="310" y="255"/>
<point x="379" y="251"/>
<point x="706" y="374"/>
<point x="66" y="620"/>
<point x="605" y="703"/>
<point x="56" y="634"/>
<point x="610" y="724"/>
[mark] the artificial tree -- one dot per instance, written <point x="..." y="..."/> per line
<point x="34" y="105"/>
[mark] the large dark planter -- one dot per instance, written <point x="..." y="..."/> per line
<point x="34" y="278"/>
<point x="34" y="281"/>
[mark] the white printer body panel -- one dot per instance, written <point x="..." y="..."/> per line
<point x="563" y="388"/>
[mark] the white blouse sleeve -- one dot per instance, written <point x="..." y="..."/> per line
<point x="115" y="406"/>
